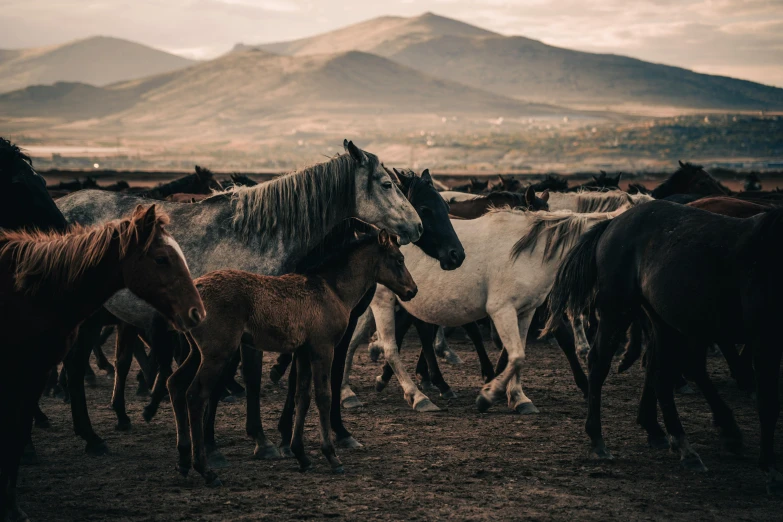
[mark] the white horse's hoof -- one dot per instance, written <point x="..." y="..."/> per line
<point x="526" y="408"/>
<point x="351" y="403"/>
<point x="348" y="443"/>
<point x="380" y="384"/>
<point x="483" y="403"/>
<point x="452" y="358"/>
<point x="425" y="406"/>
<point x="450" y="394"/>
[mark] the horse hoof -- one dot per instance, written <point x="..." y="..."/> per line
<point x="123" y="425"/>
<point x="685" y="389"/>
<point x="183" y="470"/>
<point x="693" y="463"/>
<point x="380" y="384"/>
<point x="286" y="453"/>
<point x="452" y="358"/>
<point x="339" y="470"/>
<point x="348" y="443"/>
<point x="601" y="453"/>
<point x="448" y="395"/>
<point x="266" y="453"/>
<point x="375" y="353"/>
<point x="428" y="386"/>
<point x="351" y="403"/>
<point x="526" y="408"/>
<point x="212" y="481"/>
<point x="228" y="399"/>
<point x="96" y="449"/>
<point x="90" y="381"/>
<point x="425" y="406"/>
<point x="658" y="442"/>
<point x="482" y="403"/>
<point x="216" y="460"/>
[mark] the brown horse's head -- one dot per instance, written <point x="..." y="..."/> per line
<point x="157" y="272"/>
<point x="392" y="272"/>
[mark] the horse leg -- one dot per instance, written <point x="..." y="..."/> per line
<point x="97" y="350"/>
<point x="89" y="374"/>
<point x="162" y="343"/>
<point x="402" y="323"/>
<point x="75" y="363"/>
<point x="496" y="340"/>
<point x="740" y="368"/>
<point x="474" y="333"/>
<point x="609" y="336"/>
<point x="230" y="386"/>
<point x="148" y="370"/>
<point x="125" y="345"/>
<point x="321" y="366"/>
<point x="303" y="383"/>
<point x="383" y="309"/>
<point x="286" y="423"/>
<point x="279" y="368"/>
<point x="442" y="348"/>
<point x="512" y="329"/>
<point x="565" y="337"/>
<point x="766" y="360"/>
<point x="582" y="345"/>
<point x="647" y="416"/>
<point x="252" y="367"/>
<point x="427" y="334"/>
<point x="214" y="456"/>
<point x="178" y="385"/>
<point x="361" y="335"/>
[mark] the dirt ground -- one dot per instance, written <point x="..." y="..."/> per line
<point x="454" y="465"/>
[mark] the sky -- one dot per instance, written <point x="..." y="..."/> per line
<point x="740" y="38"/>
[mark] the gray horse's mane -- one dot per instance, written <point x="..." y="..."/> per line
<point x="304" y="204"/>
<point x="561" y="230"/>
<point x="602" y="201"/>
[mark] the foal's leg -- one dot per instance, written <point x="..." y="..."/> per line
<point x="766" y="360"/>
<point x="303" y="383"/>
<point x="474" y="333"/>
<point x="125" y="345"/>
<point x="321" y="364"/>
<point x="361" y="336"/>
<point x="279" y="368"/>
<point x="286" y="424"/>
<point x="564" y="335"/>
<point x="252" y="361"/>
<point x="513" y="332"/>
<point x="214" y="456"/>
<point x="178" y="385"/>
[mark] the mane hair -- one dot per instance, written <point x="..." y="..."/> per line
<point x="342" y="240"/>
<point x="10" y="153"/>
<point x="587" y="202"/>
<point x="58" y="259"/>
<point x="560" y="230"/>
<point x="303" y="204"/>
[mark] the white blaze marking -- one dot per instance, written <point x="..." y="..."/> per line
<point x="173" y="244"/>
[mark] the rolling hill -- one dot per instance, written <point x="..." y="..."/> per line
<point x="96" y="61"/>
<point x="527" y="69"/>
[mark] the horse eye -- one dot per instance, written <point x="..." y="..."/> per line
<point x="401" y="261"/>
<point x="425" y="210"/>
<point x="386" y="185"/>
<point x="162" y="260"/>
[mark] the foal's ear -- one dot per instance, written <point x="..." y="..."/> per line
<point x="544" y="196"/>
<point x="426" y="178"/>
<point x="145" y="221"/>
<point x="383" y="237"/>
<point x="530" y="195"/>
<point x="356" y="153"/>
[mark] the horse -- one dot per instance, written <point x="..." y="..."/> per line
<point x="49" y="283"/>
<point x="752" y="183"/>
<point x="202" y="181"/>
<point x="507" y="184"/>
<point x="473" y="187"/>
<point x="692" y="275"/>
<point x="601" y="183"/>
<point x="692" y="180"/>
<point x="479" y="206"/>
<point x="301" y="314"/>
<point x="263" y="229"/>
<point x="551" y="182"/>
<point x="510" y="264"/>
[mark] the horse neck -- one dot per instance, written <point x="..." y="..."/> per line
<point x="352" y="276"/>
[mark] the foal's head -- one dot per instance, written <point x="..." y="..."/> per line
<point x="392" y="272"/>
<point x="154" y="268"/>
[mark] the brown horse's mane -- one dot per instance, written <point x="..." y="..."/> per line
<point x="62" y="259"/>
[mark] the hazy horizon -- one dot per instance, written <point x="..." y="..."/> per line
<point x="735" y="38"/>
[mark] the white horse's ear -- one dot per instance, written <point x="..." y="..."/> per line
<point x="356" y="153"/>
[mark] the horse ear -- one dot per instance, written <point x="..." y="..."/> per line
<point x="383" y="237"/>
<point x="392" y="174"/>
<point x="596" y="179"/>
<point x="681" y="164"/>
<point x="426" y="178"/>
<point x="530" y="195"/>
<point x="145" y="221"/>
<point x="544" y="196"/>
<point x="356" y="153"/>
<point x="617" y="178"/>
<point x="500" y="177"/>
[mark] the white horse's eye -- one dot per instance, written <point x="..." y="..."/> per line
<point x="386" y="185"/>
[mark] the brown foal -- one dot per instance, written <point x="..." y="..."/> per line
<point x="303" y="314"/>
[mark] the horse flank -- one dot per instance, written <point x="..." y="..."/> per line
<point x="280" y="206"/>
<point x="61" y="259"/>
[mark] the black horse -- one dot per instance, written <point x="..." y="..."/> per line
<point x="695" y="277"/>
<point x="600" y="183"/>
<point x="24" y="203"/>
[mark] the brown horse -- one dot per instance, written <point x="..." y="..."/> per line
<point x="49" y="283"/>
<point x="475" y="208"/>
<point x="301" y="314"/>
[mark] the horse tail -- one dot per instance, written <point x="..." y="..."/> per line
<point x="576" y="280"/>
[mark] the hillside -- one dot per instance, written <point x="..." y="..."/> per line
<point x="531" y="70"/>
<point x="96" y="61"/>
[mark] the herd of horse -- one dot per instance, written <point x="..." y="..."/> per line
<point x="307" y="264"/>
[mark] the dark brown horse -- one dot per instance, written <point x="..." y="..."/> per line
<point x="474" y="208"/>
<point x="302" y="314"/>
<point x="49" y="283"/>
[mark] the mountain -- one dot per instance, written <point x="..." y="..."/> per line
<point x="96" y="61"/>
<point x="527" y="69"/>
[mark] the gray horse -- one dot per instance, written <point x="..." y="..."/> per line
<point x="264" y="229"/>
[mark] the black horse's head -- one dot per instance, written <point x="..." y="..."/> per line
<point x="690" y="179"/>
<point x="24" y="200"/>
<point x="439" y="240"/>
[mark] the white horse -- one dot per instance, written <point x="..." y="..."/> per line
<point x="453" y="196"/>
<point x="510" y="265"/>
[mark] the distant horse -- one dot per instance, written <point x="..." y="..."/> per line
<point x="693" y="275"/>
<point x="200" y="182"/>
<point x="552" y="183"/>
<point x="601" y="183"/>
<point x="510" y="264"/>
<point x="692" y="180"/>
<point x="305" y="315"/>
<point x="473" y="208"/>
<point x="263" y="229"/>
<point x="49" y="283"/>
<point x="752" y="183"/>
<point x="507" y="184"/>
<point x="473" y="187"/>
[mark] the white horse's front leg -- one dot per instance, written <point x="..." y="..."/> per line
<point x="513" y="332"/>
<point x="383" y="309"/>
<point x="580" y="337"/>
<point x="361" y="336"/>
